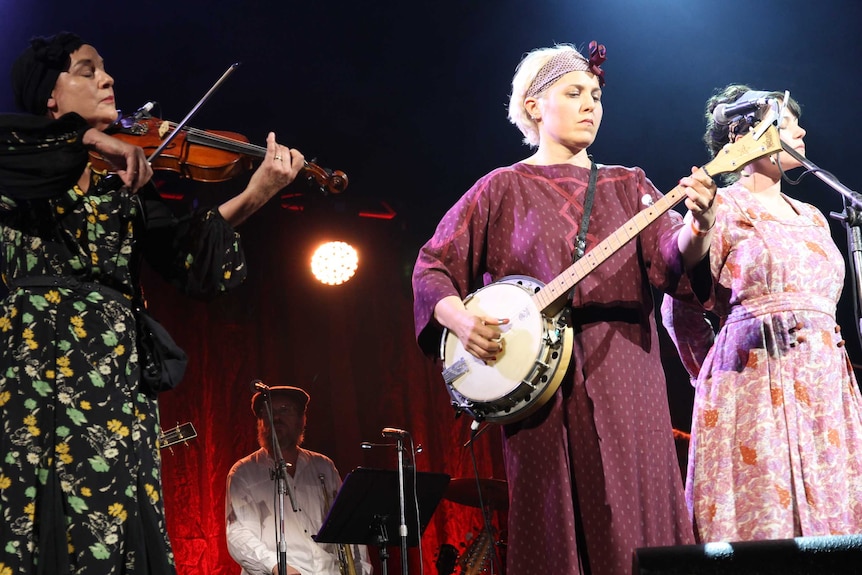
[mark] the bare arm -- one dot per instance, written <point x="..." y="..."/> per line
<point x="279" y="168"/>
<point x="694" y="239"/>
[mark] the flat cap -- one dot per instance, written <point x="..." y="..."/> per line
<point x="295" y="394"/>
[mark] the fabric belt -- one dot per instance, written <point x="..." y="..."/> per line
<point x="776" y="303"/>
<point x="72" y="283"/>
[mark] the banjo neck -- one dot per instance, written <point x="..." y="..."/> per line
<point x="552" y="297"/>
<point x="753" y="145"/>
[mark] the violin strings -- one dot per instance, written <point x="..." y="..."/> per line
<point x="337" y="181"/>
<point x="223" y="142"/>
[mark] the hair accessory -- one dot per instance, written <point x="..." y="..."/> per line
<point x="565" y="61"/>
<point x="598" y="55"/>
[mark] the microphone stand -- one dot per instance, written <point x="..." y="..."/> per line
<point x="852" y="218"/>
<point x="402" y="526"/>
<point x="282" y="486"/>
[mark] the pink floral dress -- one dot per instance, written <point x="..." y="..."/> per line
<point x="776" y="445"/>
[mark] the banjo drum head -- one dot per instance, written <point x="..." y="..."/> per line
<point x="522" y="341"/>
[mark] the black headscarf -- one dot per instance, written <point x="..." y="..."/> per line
<point x="36" y="70"/>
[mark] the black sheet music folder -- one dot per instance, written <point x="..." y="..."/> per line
<point x="366" y="510"/>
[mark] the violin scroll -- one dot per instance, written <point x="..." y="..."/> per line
<point x="331" y="181"/>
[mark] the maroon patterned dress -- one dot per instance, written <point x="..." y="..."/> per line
<point x="593" y="474"/>
<point x="776" y="448"/>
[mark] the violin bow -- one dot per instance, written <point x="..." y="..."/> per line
<point x="112" y="181"/>
<point x="182" y="123"/>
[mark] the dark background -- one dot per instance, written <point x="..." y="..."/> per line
<point x="409" y="99"/>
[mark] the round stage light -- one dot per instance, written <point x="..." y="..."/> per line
<point x="333" y="263"/>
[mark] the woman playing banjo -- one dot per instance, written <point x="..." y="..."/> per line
<point x="592" y="473"/>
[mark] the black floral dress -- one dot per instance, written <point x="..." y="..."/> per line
<point x="80" y="487"/>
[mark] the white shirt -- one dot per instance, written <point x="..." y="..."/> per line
<point x="250" y="516"/>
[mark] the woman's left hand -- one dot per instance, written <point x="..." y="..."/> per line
<point x="700" y="196"/>
<point x="280" y="167"/>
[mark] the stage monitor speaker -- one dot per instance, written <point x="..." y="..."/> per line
<point x="833" y="555"/>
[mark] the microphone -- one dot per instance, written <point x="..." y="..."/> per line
<point x="258" y="385"/>
<point x="144" y="110"/>
<point x="724" y="114"/>
<point x="393" y="432"/>
<point x="369" y="445"/>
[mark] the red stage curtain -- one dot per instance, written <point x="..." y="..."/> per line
<point x="351" y="347"/>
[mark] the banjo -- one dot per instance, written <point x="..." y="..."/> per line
<point x="538" y="348"/>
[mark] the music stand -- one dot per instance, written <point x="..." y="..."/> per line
<point x="366" y="509"/>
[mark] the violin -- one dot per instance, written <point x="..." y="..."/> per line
<point x="205" y="155"/>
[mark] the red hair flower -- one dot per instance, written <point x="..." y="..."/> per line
<point x="598" y="55"/>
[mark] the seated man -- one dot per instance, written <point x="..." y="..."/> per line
<point x="314" y="481"/>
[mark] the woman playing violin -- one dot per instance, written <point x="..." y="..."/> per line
<point x="80" y="488"/>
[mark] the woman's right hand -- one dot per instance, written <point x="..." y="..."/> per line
<point x="129" y="161"/>
<point x="480" y="335"/>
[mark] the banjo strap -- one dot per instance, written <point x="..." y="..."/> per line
<point x="581" y="243"/>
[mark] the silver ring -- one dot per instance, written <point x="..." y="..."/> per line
<point x="277" y="158"/>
